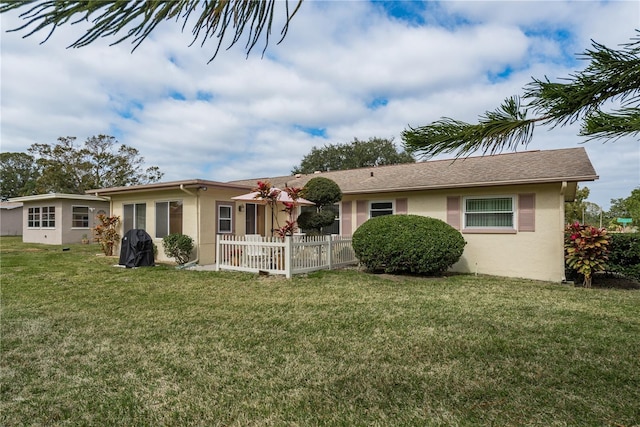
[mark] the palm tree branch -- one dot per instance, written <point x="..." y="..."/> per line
<point x="612" y="75"/>
<point x="623" y="122"/>
<point x="135" y="20"/>
<point x="505" y="128"/>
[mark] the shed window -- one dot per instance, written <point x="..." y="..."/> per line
<point x="33" y="219"/>
<point x="44" y="217"/>
<point x="80" y="217"/>
<point x="48" y="216"/>
<point x="489" y="212"/>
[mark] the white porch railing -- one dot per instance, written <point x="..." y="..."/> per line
<point x="288" y="256"/>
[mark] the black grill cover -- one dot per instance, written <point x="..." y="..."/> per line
<point x="136" y="249"/>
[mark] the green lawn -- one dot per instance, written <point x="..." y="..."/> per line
<point x="84" y="343"/>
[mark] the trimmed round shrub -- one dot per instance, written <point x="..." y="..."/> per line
<point x="322" y="191"/>
<point x="407" y="244"/>
<point x="315" y="220"/>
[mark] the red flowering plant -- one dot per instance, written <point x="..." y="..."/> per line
<point x="586" y="250"/>
<point x="287" y="229"/>
<point x="106" y="233"/>
<point x="290" y="208"/>
<point x="267" y="193"/>
<point x="271" y="196"/>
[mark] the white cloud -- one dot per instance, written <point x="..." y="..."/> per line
<point x="244" y="117"/>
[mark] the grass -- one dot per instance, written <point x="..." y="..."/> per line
<point x="84" y="343"/>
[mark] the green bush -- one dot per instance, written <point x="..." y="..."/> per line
<point x="322" y="191"/>
<point x="314" y="221"/>
<point x="624" y="255"/>
<point x="407" y="244"/>
<point x="178" y="246"/>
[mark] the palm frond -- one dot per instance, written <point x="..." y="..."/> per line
<point x="625" y="122"/>
<point x="135" y="20"/>
<point x="612" y="75"/>
<point x="505" y="128"/>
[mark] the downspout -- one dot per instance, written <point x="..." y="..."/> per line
<point x="197" y="196"/>
<point x="563" y="190"/>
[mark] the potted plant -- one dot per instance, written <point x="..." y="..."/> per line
<point x="85" y="239"/>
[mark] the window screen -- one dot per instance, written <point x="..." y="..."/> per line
<point x="80" y="217"/>
<point x="494" y="212"/>
<point x="380" y="209"/>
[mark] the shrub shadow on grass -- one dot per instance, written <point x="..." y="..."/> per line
<point x="614" y="281"/>
<point x="402" y="276"/>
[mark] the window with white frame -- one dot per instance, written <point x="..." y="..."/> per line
<point x="134" y="216"/>
<point x="225" y="219"/>
<point x="33" y="217"/>
<point x="380" y="209"/>
<point x="48" y="217"/>
<point x="41" y="217"/>
<point x="168" y="218"/>
<point x="80" y="216"/>
<point x="489" y="212"/>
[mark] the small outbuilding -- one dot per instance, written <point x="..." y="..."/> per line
<point x="10" y="219"/>
<point x="59" y="218"/>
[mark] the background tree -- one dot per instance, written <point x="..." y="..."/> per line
<point x="632" y="203"/>
<point x="325" y="193"/>
<point x="573" y="211"/>
<point x="101" y="162"/>
<point x="611" y="78"/>
<point x="17" y="175"/>
<point x="628" y="207"/>
<point x="356" y="154"/>
<point x="135" y="20"/>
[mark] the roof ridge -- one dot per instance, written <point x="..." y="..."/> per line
<point x="399" y="165"/>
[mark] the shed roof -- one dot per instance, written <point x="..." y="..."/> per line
<point x="170" y="185"/>
<point x="10" y="205"/>
<point x="54" y="196"/>
<point x="542" y="166"/>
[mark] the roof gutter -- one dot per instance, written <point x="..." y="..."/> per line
<point x="476" y="184"/>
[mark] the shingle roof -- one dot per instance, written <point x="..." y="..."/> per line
<point x="570" y="164"/>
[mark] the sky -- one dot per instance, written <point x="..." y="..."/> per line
<point x="346" y="69"/>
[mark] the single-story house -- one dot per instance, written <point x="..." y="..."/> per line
<point x="10" y="219"/>
<point x="59" y="218"/>
<point x="509" y="207"/>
